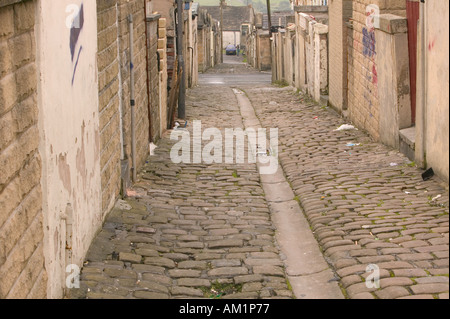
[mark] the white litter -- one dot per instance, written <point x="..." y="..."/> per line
<point x="436" y="197"/>
<point x="178" y="127"/>
<point x="345" y="127"/>
<point x="121" y="204"/>
<point x="152" y="149"/>
<point x="393" y="164"/>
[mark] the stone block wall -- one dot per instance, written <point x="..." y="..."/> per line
<point x="163" y="93"/>
<point x="309" y="51"/>
<point x="22" y="269"/>
<point x="153" y="75"/>
<point x="207" y="35"/>
<point x="137" y="9"/>
<point x="363" y="95"/>
<point x="264" y="60"/>
<point x="109" y="101"/>
<point x="339" y="14"/>
<point x="114" y="91"/>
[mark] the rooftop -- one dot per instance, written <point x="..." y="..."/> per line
<point x="233" y="17"/>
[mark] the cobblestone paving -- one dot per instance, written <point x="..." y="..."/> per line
<point x="205" y="230"/>
<point x="366" y="203"/>
<point x="189" y="230"/>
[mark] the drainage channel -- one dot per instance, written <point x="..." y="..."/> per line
<point x="306" y="268"/>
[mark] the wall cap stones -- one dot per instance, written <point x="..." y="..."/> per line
<point x="311" y="8"/>
<point x="392" y="24"/>
<point x="152" y="17"/>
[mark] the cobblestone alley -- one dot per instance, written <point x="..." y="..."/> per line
<point x="216" y="230"/>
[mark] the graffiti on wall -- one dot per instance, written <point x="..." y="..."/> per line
<point x="75" y="22"/>
<point x="368" y="42"/>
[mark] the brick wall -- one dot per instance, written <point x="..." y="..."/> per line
<point x="264" y="60"/>
<point x="137" y="9"/>
<point x="114" y="90"/>
<point x="153" y="75"/>
<point x="202" y="62"/>
<point x="162" y="55"/>
<point x="109" y="99"/>
<point x="22" y="270"/>
<point x="339" y="13"/>
<point x="363" y="102"/>
<point x="207" y="52"/>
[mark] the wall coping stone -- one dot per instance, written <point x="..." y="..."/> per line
<point x="311" y="9"/>
<point x="392" y="24"/>
<point x="152" y="17"/>
<point x="320" y="28"/>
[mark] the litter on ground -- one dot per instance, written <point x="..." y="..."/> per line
<point x="345" y="127"/>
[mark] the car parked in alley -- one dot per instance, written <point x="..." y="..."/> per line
<point x="230" y="49"/>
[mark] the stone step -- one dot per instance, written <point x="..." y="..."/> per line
<point x="408" y="142"/>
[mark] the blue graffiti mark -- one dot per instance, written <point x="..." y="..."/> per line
<point x="75" y="31"/>
<point x="76" y="64"/>
<point x="368" y="42"/>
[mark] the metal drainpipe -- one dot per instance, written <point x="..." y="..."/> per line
<point x="132" y="101"/>
<point x="190" y="79"/>
<point x="147" y="57"/>
<point x="122" y="139"/>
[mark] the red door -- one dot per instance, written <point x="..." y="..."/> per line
<point x="412" y="14"/>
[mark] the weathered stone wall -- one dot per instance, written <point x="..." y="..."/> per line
<point x="202" y="49"/>
<point x="109" y="83"/>
<point x="22" y="269"/>
<point x="163" y="78"/>
<point x="300" y="55"/>
<point x="264" y="60"/>
<point x="137" y="9"/>
<point x="153" y="75"/>
<point x="207" y="35"/>
<point x="433" y="132"/>
<point x="114" y="90"/>
<point x="393" y="78"/>
<point x="363" y="94"/>
<point x="339" y="14"/>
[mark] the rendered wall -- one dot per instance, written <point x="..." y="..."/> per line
<point x="339" y="12"/>
<point x="437" y="94"/>
<point x="69" y="132"/>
